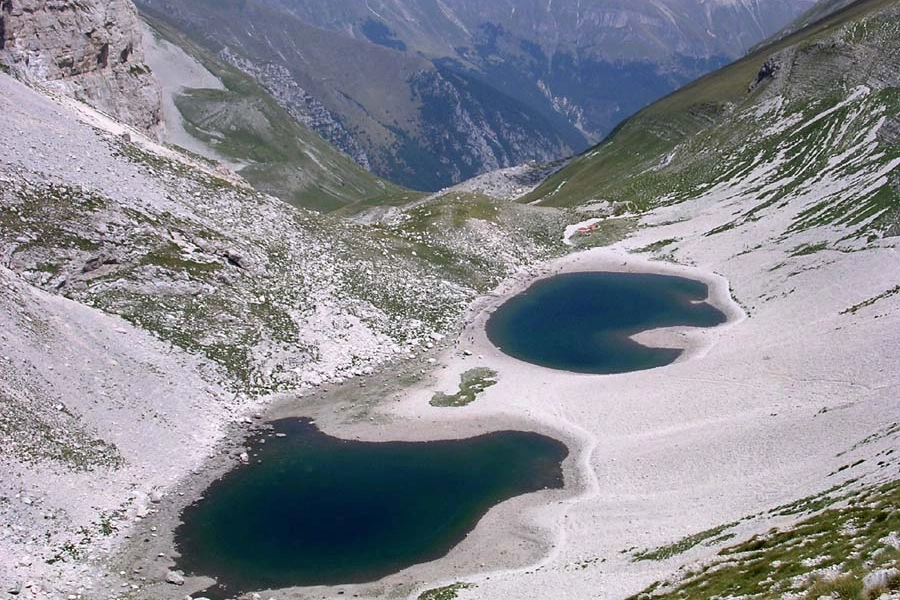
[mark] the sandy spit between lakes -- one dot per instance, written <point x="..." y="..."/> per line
<point x="523" y="533"/>
<point x="735" y="427"/>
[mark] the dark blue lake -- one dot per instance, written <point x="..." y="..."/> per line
<point x="582" y="321"/>
<point x="324" y="511"/>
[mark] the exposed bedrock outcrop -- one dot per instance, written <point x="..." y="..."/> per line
<point x="89" y="49"/>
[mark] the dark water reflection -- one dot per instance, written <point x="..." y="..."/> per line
<point x="321" y="510"/>
<point x="582" y="321"/>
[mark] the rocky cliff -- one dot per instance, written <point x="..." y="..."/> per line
<point x="88" y="49"/>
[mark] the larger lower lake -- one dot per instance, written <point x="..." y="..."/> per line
<point x="582" y="322"/>
<point x="321" y="510"/>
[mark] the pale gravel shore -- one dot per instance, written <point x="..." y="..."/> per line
<point x="757" y="413"/>
<point x="732" y="429"/>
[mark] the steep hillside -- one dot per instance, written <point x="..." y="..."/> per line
<point x="230" y="118"/>
<point x="155" y="309"/>
<point x="608" y="28"/>
<point x="398" y="114"/>
<point x="177" y="247"/>
<point x="95" y="52"/>
<point x="92" y="50"/>
<point x="795" y="112"/>
<point x="124" y="262"/>
<point x="429" y="94"/>
<point x="561" y="57"/>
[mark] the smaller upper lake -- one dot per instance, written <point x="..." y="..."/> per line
<point x="583" y="322"/>
<point x="319" y="510"/>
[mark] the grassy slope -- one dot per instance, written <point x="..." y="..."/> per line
<point x="283" y="157"/>
<point x="259" y="316"/>
<point x="620" y="169"/>
<point x="828" y="554"/>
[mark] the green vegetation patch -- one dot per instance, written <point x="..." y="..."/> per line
<point x="657" y="246"/>
<point x="814" y="503"/>
<point x="452" y="211"/>
<point x="171" y="257"/>
<point x="852" y="310"/>
<point x="711" y="536"/>
<point x="473" y="382"/>
<point x="50" y="216"/>
<point x="448" y="592"/>
<point x="37" y="432"/>
<point x="829" y="553"/>
<point x="605" y="233"/>
<point x="807" y="249"/>
<point x="845" y="587"/>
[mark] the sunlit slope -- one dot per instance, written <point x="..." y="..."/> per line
<point x="280" y="155"/>
<point x="818" y="109"/>
<point x="819" y="11"/>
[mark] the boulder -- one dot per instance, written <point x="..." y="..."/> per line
<point x="881" y="579"/>
<point x="96" y="262"/>
<point x="175" y="578"/>
<point x="892" y="540"/>
<point x="236" y="259"/>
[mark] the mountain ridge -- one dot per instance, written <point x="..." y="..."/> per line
<point x="706" y="103"/>
<point x="239" y="122"/>
<point x="398" y="123"/>
<point x="521" y="96"/>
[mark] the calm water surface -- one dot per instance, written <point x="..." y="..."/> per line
<point x="321" y="510"/>
<point x="582" y="321"/>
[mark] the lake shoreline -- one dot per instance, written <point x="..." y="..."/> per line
<point x="520" y="535"/>
<point x="586" y="322"/>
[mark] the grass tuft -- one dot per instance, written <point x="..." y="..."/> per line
<point x="473" y="382"/>
<point x="448" y="592"/>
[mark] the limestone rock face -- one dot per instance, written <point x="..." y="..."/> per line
<point x="90" y="49"/>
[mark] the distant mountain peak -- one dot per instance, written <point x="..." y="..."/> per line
<point x="526" y="79"/>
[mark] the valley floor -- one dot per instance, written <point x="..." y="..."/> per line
<point x="773" y="406"/>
